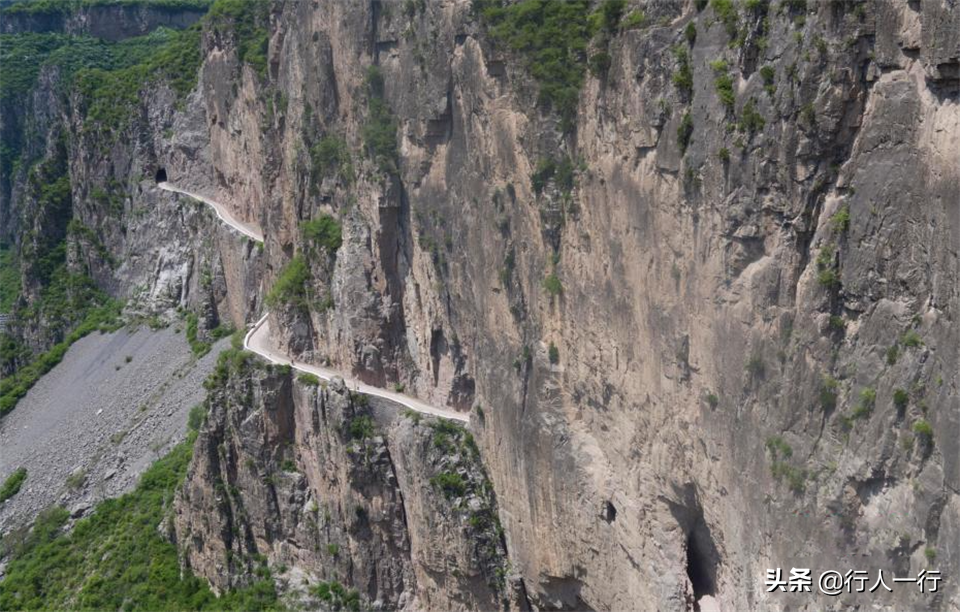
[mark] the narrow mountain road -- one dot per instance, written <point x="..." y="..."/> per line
<point x="247" y="229"/>
<point x="258" y="339"/>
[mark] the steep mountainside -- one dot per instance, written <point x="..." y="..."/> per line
<point x="692" y="268"/>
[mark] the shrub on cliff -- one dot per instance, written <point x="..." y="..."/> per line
<point x="324" y="231"/>
<point x="380" y="129"/>
<point x="290" y="288"/>
<point x="552" y="37"/>
<point x="11" y="486"/>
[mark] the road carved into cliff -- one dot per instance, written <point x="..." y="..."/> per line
<point x="247" y="229"/>
<point x="258" y="339"/>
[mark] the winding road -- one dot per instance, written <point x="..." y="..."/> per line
<point x="258" y="339"/>
<point x="247" y="229"/>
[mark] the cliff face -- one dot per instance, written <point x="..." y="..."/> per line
<point x="716" y="334"/>
<point x="109" y="22"/>
<point x="759" y="315"/>
<point x="334" y="491"/>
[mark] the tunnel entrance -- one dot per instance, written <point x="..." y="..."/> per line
<point x="701" y="563"/>
<point x="161" y="175"/>
<point x="703" y="560"/>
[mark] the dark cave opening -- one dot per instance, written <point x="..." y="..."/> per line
<point x="701" y="562"/>
<point x="608" y="511"/>
<point x="161" y="175"/>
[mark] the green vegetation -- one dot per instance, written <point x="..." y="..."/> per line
<point x="311" y="380"/>
<point x="726" y="11"/>
<point x="864" y="408"/>
<point x="840" y="221"/>
<point x="724" y="155"/>
<point x="552" y="285"/>
<point x="553" y="38"/>
<point x="826" y="275"/>
<point x="829" y="388"/>
<point x="9" y="279"/>
<point x="246" y="21"/>
<point x="53" y="7"/>
<point x="683" y="77"/>
<point x="755" y="366"/>
<point x="901" y="399"/>
<point x="911" y="339"/>
<point x="336" y="596"/>
<point x="690" y="33"/>
<point x="201" y="347"/>
<point x="231" y="361"/>
<point x="198" y="414"/>
<point x="116" y="558"/>
<point x="685" y="132"/>
<point x="635" y="19"/>
<point x="11" y="486"/>
<point x="930" y="554"/>
<point x="290" y="288"/>
<point x="751" y="121"/>
<point x="923" y="430"/>
<point x="108" y="74"/>
<point x="324" y="231"/>
<point x="768" y="74"/>
<point x="561" y="171"/>
<point x="450" y="483"/>
<point x="331" y="156"/>
<point x="380" y="129"/>
<point x="554" y="354"/>
<point x="14" y="387"/>
<point x="892" y="353"/>
<point x="780" y="468"/>
<point x="724" y="86"/>
<point x="361" y="427"/>
<point x="713" y="400"/>
<point x="333" y="549"/>
<point x="112" y="95"/>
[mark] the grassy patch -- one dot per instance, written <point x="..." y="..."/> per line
<point x="111" y="96"/>
<point x="380" y="128"/>
<point x="331" y="157"/>
<point x="11" y="486"/>
<point x="361" y="428"/>
<point x="683" y="76"/>
<point x="324" y="231"/>
<point x="308" y="379"/>
<point x="552" y="37"/>
<point x="246" y="22"/>
<point x="552" y="285"/>
<point x="9" y="279"/>
<point x="560" y="171"/>
<point x="336" y="596"/>
<point x="37" y="8"/>
<point x="450" y="484"/>
<point x="290" y="287"/>
<point x="116" y="559"/>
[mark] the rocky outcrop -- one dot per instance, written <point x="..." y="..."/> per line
<point x="108" y="21"/>
<point x="726" y="307"/>
<point x="325" y="489"/>
<point x="725" y="341"/>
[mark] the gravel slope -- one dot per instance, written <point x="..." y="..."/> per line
<point x="102" y="415"/>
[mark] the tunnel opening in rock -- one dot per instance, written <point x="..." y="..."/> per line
<point x="701" y="562"/>
<point x="161" y="175"/>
